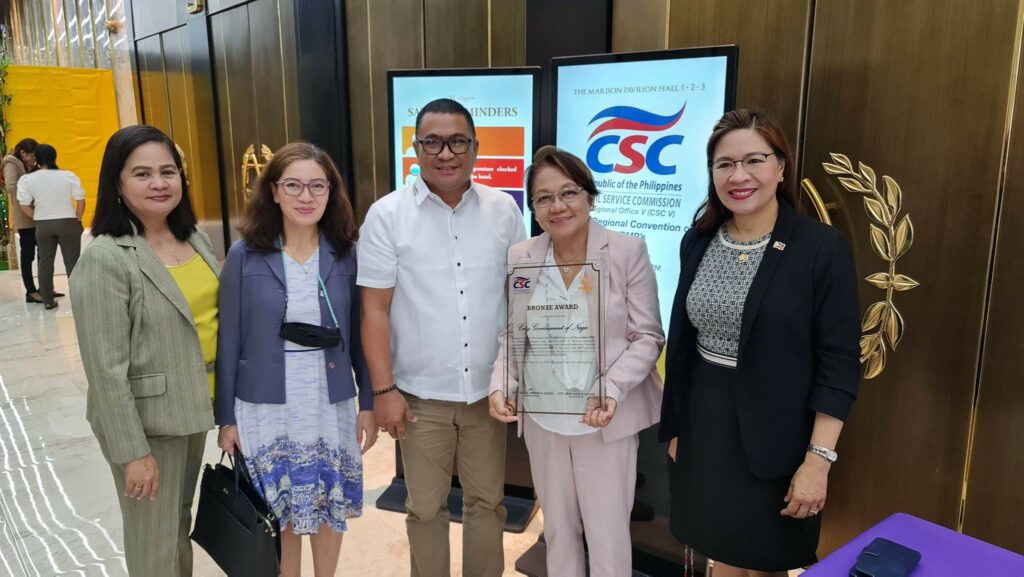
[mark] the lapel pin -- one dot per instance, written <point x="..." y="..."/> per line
<point x="779" y="245"/>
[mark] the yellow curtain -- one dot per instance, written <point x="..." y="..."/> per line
<point x="72" y="109"/>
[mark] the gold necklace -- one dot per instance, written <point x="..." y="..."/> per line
<point x="306" y="269"/>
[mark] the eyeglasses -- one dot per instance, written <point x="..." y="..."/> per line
<point x="755" y="162"/>
<point x="294" y="186"/>
<point x="567" y="195"/>
<point x="456" y="144"/>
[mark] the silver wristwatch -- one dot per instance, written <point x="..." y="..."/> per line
<point x="823" y="452"/>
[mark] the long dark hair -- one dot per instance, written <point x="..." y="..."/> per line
<point x="25" y="146"/>
<point x="263" y="223"/>
<point x="46" y="155"/>
<point x="112" y="215"/>
<point x="712" y="214"/>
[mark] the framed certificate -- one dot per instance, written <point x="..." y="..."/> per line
<point x="554" y="360"/>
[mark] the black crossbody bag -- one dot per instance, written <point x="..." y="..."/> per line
<point x="309" y="335"/>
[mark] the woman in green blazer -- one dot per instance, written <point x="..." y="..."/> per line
<point x="144" y="296"/>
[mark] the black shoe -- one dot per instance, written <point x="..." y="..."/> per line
<point x="57" y="295"/>
<point x="51" y="305"/>
<point x="31" y="299"/>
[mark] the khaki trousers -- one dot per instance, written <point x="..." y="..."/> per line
<point x="444" y="431"/>
<point x="156" y="542"/>
<point x="584" y="484"/>
<point x="63" y="232"/>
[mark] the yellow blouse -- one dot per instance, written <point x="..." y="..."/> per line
<point x="199" y="286"/>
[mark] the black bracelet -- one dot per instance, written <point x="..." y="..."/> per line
<point x="385" y="391"/>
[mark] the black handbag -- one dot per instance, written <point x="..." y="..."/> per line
<point x="233" y="523"/>
<point x="883" y="558"/>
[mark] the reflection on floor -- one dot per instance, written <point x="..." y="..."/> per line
<point x="58" y="511"/>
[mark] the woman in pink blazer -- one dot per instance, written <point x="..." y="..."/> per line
<point x="584" y="468"/>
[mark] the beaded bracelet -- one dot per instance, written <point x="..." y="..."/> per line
<point x="385" y="391"/>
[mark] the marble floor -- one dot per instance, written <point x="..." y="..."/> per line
<point x="58" y="511"/>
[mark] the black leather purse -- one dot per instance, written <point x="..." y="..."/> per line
<point x="233" y="523"/>
<point x="883" y="558"/>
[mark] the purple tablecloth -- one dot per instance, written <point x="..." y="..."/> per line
<point x="944" y="553"/>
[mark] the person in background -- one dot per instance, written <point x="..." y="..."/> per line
<point x="289" y="342"/>
<point x="584" y="469"/>
<point x="54" y="198"/>
<point x="763" y="360"/>
<point x="19" y="162"/>
<point x="145" y="301"/>
<point x="432" y="268"/>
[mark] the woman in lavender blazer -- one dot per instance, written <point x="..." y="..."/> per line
<point x="584" y="469"/>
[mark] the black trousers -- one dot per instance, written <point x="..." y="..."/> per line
<point x="27" y="243"/>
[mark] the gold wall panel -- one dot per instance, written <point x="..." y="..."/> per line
<point x="932" y="117"/>
<point x="639" y="25"/>
<point x="995" y="483"/>
<point x="152" y="84"/>
<point x="508" y="32"/>
<point x="253" y="52"/>
<point x="772" y="36"/>
<point x="360" y="99"/>
<point x="455" y="33"/>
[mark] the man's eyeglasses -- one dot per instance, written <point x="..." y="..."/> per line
<point x="456" y="144"/>
<point x="752" y="162"/>
<point x="567" y="195"/>
<point x="294" y="186"/>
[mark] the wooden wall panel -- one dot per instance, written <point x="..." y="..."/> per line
<point x="508" y="32"/>
<point x="456" y="33"/>
<point x="995" y="491"/>
<point x="933" y="119"/>
<point x="236" y="102"/>
<point x="772" y="36"/>
<point x="364" y="188"/>
<point x="276" y="102"/>
<point x="152" y="83"/>
<point x="639" y="25"/>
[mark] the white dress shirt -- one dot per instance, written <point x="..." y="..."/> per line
<point x="554" y="365"/>
<point x="447" y="268"/>
<point x="51" y="192"/>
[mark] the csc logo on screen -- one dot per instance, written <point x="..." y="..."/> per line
<point x="634" y="151"/>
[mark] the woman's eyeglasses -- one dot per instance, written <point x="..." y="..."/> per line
<point x="567" y="195"/>
<point x="294" y="186"/>
<point x="752" y="162"/>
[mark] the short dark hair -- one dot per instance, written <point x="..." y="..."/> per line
<point x="112" y="215"/>
<point x="263" y="224"/>
<point x="567" y="163"/>
<point x="445" y="106"/>
<point x="712" y="214"/>
<point x="46" y="155"/>
<point x="27" y="145"/>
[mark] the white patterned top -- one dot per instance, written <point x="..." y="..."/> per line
<point x="719" y="291"/>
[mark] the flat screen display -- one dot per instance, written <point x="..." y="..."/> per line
<point x="504" y="103"/>
<point x="641" y="122"/>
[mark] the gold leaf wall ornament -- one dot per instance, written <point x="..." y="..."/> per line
<point x="882" y="327"/>
<point x="251" y="163"/>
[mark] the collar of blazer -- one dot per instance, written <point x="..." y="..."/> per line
<point x="693" y="254"/>
<point x="155" y="270"/>
<point x="327" y="256"/>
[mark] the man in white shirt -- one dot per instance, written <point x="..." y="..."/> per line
<point x="432" y="270"/>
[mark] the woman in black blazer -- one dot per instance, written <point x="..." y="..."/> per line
<point x="762" y="363"/>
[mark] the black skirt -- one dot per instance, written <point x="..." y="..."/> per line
<point x="718" y="506"/>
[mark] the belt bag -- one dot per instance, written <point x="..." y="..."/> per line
<point x="309" y="335"/>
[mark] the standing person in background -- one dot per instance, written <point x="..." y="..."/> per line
<point x="584" y="469"/>
<point x="56" y="200"/>
<point x="19" y="162"/>
<point x="289" y="344"/>
<point x="432" y="268"/>
<point x="144" y="296"/>
<point x="763" y="360"/>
